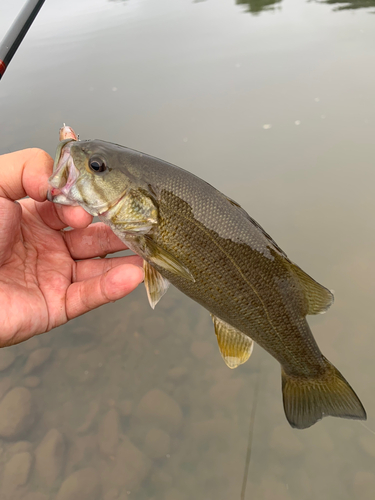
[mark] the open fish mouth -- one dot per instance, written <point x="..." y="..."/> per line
<point x="64" y="176"/>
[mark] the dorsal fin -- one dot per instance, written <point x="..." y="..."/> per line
<point x="318" y="298"/>
<point x="257" y="225"/>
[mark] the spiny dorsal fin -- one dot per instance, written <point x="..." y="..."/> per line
<point x="156" y="285"/>
<point x="257" y="225"/>
<point x="235" y="347"/>
<point x="319" y="298"/>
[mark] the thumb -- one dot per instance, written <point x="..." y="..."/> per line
<point x="10" y="219"/>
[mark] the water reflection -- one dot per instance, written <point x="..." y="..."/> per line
<point x="256" y="6"/>
<point x="351" y="4"/>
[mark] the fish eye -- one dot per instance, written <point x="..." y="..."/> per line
<point x="97" y="164"/>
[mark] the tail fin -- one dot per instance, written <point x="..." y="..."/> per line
<point x="307" y="400"/>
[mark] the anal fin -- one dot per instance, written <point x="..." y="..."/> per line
<point x="156" y="285"/>
<point x="235" y="347"/>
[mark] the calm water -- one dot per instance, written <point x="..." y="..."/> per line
<point x="273" y="102"/>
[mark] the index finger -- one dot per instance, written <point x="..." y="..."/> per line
<point x="25" y="173"/>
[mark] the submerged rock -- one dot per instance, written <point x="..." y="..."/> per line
<point x="214" y="429"/>
<point x="81" y="485"/>
<point x="31" y="344"/>
<point x="154" y="326"/>
<point x="5" y="385"/>
<point x="35" y="496"/>
<point x="112" y="494"/>
<point x="7" y="358"/>
<point x="90" y="417"/>
<point x="125" y="407"/>
<point x="226" y="392"/>
<point x="157" y="443"/>
<point x="49" y="457"/>
<point x="174" y="494"/>
<point x="201" y="349"/>
<point x="16" y="472"/>
<point x="177" y="373"/>
<point x="32" y="381"/>
<point x="109" y="431"/>
<point x="158" y="408"/>
<point x="131" y="466"/>
<point x="16" y="413"/>
<point x="80" y="451"/>
<point x="19" y="447"/>
<point x="36" y="359"/>
<point x="161" y="479"/>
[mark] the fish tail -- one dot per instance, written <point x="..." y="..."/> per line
<point x="307" y="400"/>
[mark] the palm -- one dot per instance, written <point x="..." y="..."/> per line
<point x="41" y="284"/>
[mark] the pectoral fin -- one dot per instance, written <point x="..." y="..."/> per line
<point x="318" y="298"/>
<point x="162" y="258"/>
<point x="156" y="285"/>
<point x="235" y="347"/>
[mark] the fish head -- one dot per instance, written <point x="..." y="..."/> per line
<point x="91" y="174"/>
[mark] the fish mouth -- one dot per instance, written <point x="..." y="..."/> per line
<point x="65" y="175"/>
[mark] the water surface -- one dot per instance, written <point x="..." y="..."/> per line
<point x="273" y="103"/>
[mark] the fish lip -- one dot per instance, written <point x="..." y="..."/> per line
<point x="59" y="152"/>
<point x="65" y="175"/>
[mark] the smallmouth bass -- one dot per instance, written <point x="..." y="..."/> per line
<point x="193" y="236"/>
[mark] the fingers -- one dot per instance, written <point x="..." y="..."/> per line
<point x="93" y="241"/>
<point x="83" y="296"/>
<point x="86" y="269"/>
<point x="25" y="173"/>
<point x="75" y="217"/>
<point x="58" y="216"/>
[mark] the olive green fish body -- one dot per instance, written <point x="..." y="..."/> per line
<point x="213" y="251"/>
<point x="241" y="276"/>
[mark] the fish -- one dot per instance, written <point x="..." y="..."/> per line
<point x="205" y="244"/>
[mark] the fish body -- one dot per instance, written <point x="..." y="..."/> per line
<point x="193" y="236"/>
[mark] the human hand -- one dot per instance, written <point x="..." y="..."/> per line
<point x="49" y="276"/>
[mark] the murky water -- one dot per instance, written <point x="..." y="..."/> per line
<point x="272" y="102"/>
